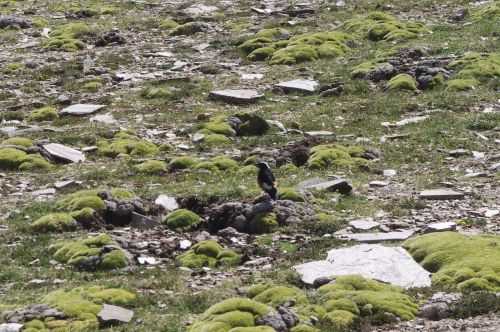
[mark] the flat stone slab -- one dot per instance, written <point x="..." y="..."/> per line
<point x="307" y="86"/>
<point x="64" y="153"/>
<point x="441" y="194"/>
<point x="241" y="96"/>
<point x="81" y="109"/>
<point x="363" y="224"/>
<point x="387" y="264"/>
<point x="377" y="237"/>
<point x="441" y="227"/>
<point x="339" y="185"/>
<point x="111" y="314"/>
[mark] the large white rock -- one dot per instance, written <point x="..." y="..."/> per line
<point x="81" y="109"/>
<point x="238" y="96"/>
<point x="377" y="237"/>
<point x="10" y="327"/>
<point x="387" y="264"/>
<point x="64" y="153"/>
<point x="307" y="86"/>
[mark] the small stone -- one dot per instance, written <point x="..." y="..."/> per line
<point x="142" y="222"/>
<point x="198" y="138"/>
<point x="495" y="167"/>
<point x="363" y="224"/>
<point x="441" y="194"/>
<point x="66" y="184"/>
<point x="306" y="86"/>
<point x="185" y="244"/>
<point x="241" y="96"/>
<point x="491" y="213"/>
<point x="111" y="314"/>
<point x="441" y="227"/>
<point x="169" y="203"/>
<point x="375" y="184"/>
<point x="146" y="260"/>
<point x="64" y="153"/>
<point x="11" y="327"/>
<point x="104" y="118"/>
<point x="389" y="172"/>
<point x="44" y="192"/>
<point x="81" y="109"/>
<point x="459" y="153"/>
<point x="377" y="237"/>
<point x="339" y="185"/>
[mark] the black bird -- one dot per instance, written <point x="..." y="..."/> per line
<point x="266" y="180"/>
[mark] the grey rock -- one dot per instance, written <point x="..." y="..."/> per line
<point x="363" y="224"/>
<point x="318" y="282"/>
<point x="142" y="222"/>
<point x="387" y="264"/>
<point x="9" y="21"/>
<point x="440" y="306"/>
<point x="111" y="314"/>
<point x="441" y="227"/>
<point x="378" y="184"/>
<point x="273" y="320"/>
<point x="377" y="237"/>
<point x="441" y="194"/>
<point x="35" y="311"/>
<point x="107" y="119"/>
<point x="306" y="86"/>
<point x="82" y="109"/>
<point x="288" y="316"/>
<point x="459" y="153"/>
<point x="198" y="10"/>
<point x="237" y="96"/>
<point x="339" y="185"/>
<point x="63" y="153"/>
<point x="319" y="133"/>
<point x="10" y="327"/>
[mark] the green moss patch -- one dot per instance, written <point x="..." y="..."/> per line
<point x="219" y="163"/>
<point x="187" y="29"/>
<point x="327" y="156"/>
<point x="235" y="314"/>
<point x="274" y="296"/>
<point x="35" y="163"/>
<point x="263" y="223"/>
<point x="82" y="305"/>
<point x="402" y="82"/>
<point x="77" y="253"/>
<point x="69" y="37"/>
<point x="151" y="167"/>
<point x="290" y="194"/>
<point x="216" y="140"/>
<point x="459" y="262"/>
<point x="182" y="219"/>
<point x="489" y="11"/>
<point x="351" y="297"/>
<point x="300" y="48"/>
<point x="80" y="200"/>
<point x="126" y="144"/>
<point x="218" y="125"/>
<point x="11" y="158"/>
<point x="54" y="222"/>
<point x="47" y="113"/>
<point x="378" y="26"/>
<point x="181" y="163"/>
<point x="18" y="141"/>
<point x="208" y="253"/>
<point x="474" y="69"/>
<point x="14" y="159"/>
<point x="168" y="24"/>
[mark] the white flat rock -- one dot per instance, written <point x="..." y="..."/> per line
<point x="169" y="203"/>
<point x="441" y="194"/>
<point x="81" y="109"/>
<point x="377" y="237"/>
<point x="112" y="314"/>
<point x="236" y="96"/>
<point x="363" y="224"/>
<point x="387" y="264"/>
<point x="64" y="153"/>
<point x="441" y="227"/>
<point x="10" y="327"/>
<point x="307" y="86"/>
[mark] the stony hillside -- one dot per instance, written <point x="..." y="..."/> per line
<point x="131" y="130"/>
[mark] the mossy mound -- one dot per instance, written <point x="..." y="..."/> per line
<point x="126" y="144"/>
<point x="378" y="26"/>
<point x="80" y="200"/>
<point x="182" y="219"/>
<point x="54" y="222"/>
<point x="218" y="125"/>
<point x="68" y="37"/>
<point x="326" y="156"/>
<point x="251" y="124"/>
<point x="235" y="315"/>
<point x="459" y="262"/>
<point x="81" y="305"/>
<point x="92" y="86"/>
<point x="300" y="48"/>
<point x="290" y="194"/>
<point x="14" y="159"/>
<point x="47" y="113"/>
<point x="168" y="24"/>
<point x="474" y="69"/>
<point x="274" y="295"/>
<point x="151" y="167"/>
<point x="489" y="11"/>
<point x="263" y="223"/>
<point x="353" y="296"/>
<point x="187" y="29"/>
<point x="402" y="82"/>
<point x="156" y="92"/>
<point x="219" y="163"/>
<point x="77" y="253"/>
<point x="216" y="140"/>
<point x="18" y="141"/>
<point x="181" y="163"/>
<point x="208" y="253"/>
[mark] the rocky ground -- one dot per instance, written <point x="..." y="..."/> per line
<point x="129" y="136"/>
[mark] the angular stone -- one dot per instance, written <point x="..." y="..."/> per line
<point x="307" y="86"/>
<point x="104" y="118"/>
<point x="238" y="96"/>
<point x="11" y="327"/>
<point x="185" y="244"/>
<point x="169" y="203"/>
<point x="64" y="153"/>
<point x="389" y="172"/>
<point x="387" y="264"/>
<point x="378" y="184"/>
<point x="146" y="260"/>
<point x="377" y="237"/>
<point x="111" y="314"/>
<point x="441" y="227"/>
<point x="363" y="224"/>
<point x="339" y="185"/>
<point x="319" y="133"/>
<point x="81" y="109"/>
<point x="459" y="153"/>
<point x="441" y="194"/>
<point x="44" y="192"/>
<point x="140" y="221"/>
